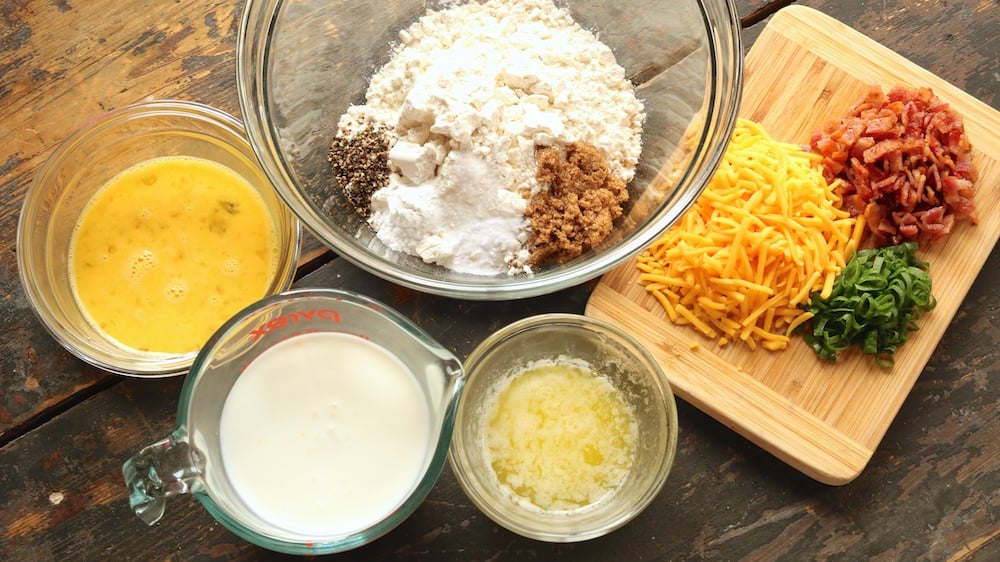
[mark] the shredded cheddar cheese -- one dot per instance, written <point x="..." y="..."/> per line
<point x="766" y="232"/>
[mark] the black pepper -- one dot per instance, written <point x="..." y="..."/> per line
<point x="360" y="163"/>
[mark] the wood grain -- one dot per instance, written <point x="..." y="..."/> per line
<point x="63" y="64"/>
<point x="824" y="419"/>
<point x="930" y="492"/>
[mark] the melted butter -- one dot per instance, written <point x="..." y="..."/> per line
<point x="560" y="436"/>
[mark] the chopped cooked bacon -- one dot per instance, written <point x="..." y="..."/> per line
<point x="905" y="165"/>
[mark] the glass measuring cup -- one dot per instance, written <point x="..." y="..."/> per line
<point x="190" y="459"/>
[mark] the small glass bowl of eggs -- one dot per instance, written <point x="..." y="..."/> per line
<point x="145" y="230"/>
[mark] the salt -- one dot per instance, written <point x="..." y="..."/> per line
<point x="463" y="218"/>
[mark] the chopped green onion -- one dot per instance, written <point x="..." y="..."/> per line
<point x="875" y="303"/>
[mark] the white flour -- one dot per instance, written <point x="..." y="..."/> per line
<point x="467" y="96"/>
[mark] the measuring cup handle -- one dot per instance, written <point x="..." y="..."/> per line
<point x="166" y="468"/>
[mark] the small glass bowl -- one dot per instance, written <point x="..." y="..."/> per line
<point x="609" y="352"/>
<point x="83" y="164"/>
<point x="301" y="63"/>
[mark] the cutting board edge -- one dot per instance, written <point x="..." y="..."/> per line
<point x="984" y="118"/>
<point x="804" y="26"/>
<point x="773" y="422"/>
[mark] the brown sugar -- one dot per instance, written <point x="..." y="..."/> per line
<point x="579" y="207"/>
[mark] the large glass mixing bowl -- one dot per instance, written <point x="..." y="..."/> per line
<point x="301" y="63"/>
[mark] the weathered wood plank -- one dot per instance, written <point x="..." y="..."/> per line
<point x="955" y="40"/>
<point x="930" y="492"/>
<point x="61" y="65"/>
<point x="78" y="455"/>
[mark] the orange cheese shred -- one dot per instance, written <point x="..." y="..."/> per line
<point x="765" y="233"/>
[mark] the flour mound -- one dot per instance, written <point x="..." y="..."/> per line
<point x="466" y="98"/>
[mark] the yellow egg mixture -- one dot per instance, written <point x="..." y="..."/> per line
<point x="560" y="436"/>
<point x="169" y="249"/>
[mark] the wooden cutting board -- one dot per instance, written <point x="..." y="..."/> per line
<point x="825" y="419"/>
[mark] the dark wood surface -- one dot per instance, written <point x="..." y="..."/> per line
<point x="932" y="491"/>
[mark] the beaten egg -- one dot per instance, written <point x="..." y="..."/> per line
<point x="169" y="249"/>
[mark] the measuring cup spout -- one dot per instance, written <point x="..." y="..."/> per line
<point x="454" y="372"/>
<point x="166" y="468"/>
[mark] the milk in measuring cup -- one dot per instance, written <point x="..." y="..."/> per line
<point x="325" y="434"/>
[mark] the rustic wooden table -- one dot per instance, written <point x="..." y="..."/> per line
<point x="931" y="492"/>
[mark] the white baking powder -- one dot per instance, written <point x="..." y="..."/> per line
<point x="468" y="94"/>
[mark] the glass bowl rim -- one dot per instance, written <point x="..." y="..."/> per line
<point x="159" y="365"/>
<point x="721" y="106"/>
<point x="457" y="459"/>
